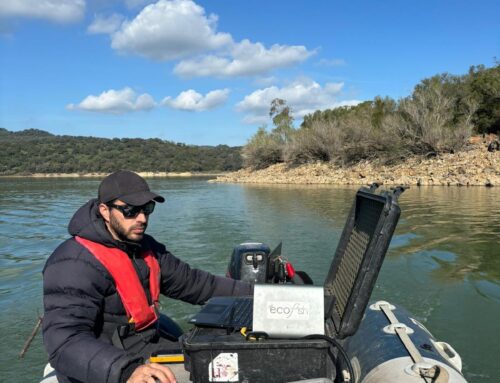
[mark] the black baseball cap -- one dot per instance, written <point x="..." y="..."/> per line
<point x="128" y="187"/>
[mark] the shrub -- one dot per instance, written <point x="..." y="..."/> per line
<point x="262" y="150"/>
<point x="320" y="142"/>
<point x="430" y="122"/>
<point x="366" y="131"/>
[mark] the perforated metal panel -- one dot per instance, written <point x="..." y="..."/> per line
<point x="367" y="216"/>
<point x="358" y="259"/>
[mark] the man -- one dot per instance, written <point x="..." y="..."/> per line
<point x="101" y="289"/>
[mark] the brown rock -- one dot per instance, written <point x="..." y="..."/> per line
<point x="472" y="167"/>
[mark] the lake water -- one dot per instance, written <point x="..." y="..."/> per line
<point x="443" y="264"/>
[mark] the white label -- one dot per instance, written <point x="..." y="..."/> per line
<point x="287" y="310"/>
<point x="224" y="368"/>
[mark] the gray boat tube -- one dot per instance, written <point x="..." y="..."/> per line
<point x="391" y="346"/>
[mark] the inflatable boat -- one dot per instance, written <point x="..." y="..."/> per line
<point x="362" y="341"/>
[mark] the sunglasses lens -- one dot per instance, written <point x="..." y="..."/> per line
<point x="133" y="211"/>
<point x="149" y="208"/>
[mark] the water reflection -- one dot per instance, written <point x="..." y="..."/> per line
<point x="462" y="221"/>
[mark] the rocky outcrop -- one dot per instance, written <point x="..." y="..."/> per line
<point x="473" y="167"/>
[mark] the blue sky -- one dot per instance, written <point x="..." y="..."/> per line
<point x="205" y="72"/>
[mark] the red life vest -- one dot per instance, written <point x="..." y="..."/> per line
<point x="127" y="282"/>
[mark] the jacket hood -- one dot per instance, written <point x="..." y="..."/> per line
<point x="88" y="223"/>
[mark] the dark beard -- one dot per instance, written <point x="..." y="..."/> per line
<point x="120" y="231"/>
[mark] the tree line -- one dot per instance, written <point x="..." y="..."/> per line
<point x="439" y="116"/>
<point x="36" y="151"/>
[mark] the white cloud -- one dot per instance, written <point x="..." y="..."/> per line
<point x="304" y="96"/>
<point x="190" y="100"/>
<point x="169" y="30"/>
<point x="60" y="11"/>
<point x="245" y="59"/>
<point x="115" y="102"/>
<point x="181" y="30"/>
<point x="103" y="24"/>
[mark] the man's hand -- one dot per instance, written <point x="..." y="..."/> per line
<point x="152" y="373"/>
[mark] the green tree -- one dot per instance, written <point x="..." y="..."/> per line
<point x="264" y="149"/>
<point x="281" y="115"/>
<point x="484" y="85"/>
<point x="382" y="107"/>
<point x="32" y="151"/>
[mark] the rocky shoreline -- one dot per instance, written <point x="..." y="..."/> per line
<point x="102" y="175"/>
<point x="473" y="167"/>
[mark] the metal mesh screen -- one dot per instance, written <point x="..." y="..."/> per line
<point x="367" y="216"/>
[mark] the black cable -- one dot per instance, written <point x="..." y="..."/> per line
<point x="341" y="351"/>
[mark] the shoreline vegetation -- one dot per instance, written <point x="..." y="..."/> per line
<point x="475" y="166"/>
<point x="37" y="152"/>
<point x="444" y="133"/>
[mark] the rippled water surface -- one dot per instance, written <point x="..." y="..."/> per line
<point x="443" y="264"/>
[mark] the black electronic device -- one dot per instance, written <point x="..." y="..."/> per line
<point x="225" y="312"/>
<point x="249" y="262"/>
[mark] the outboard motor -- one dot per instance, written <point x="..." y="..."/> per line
<point x="249" y="262"/>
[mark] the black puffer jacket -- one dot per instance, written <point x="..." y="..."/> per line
<point x="83" y="308"/>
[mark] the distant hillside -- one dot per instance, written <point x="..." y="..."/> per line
<point x="36" y="151"/>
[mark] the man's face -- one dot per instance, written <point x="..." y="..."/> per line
<point x="122" y="228"/>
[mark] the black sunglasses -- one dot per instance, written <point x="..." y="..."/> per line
<point x="133" y="211"/>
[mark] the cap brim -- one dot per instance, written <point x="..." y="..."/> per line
<point x="141" y="198"/>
